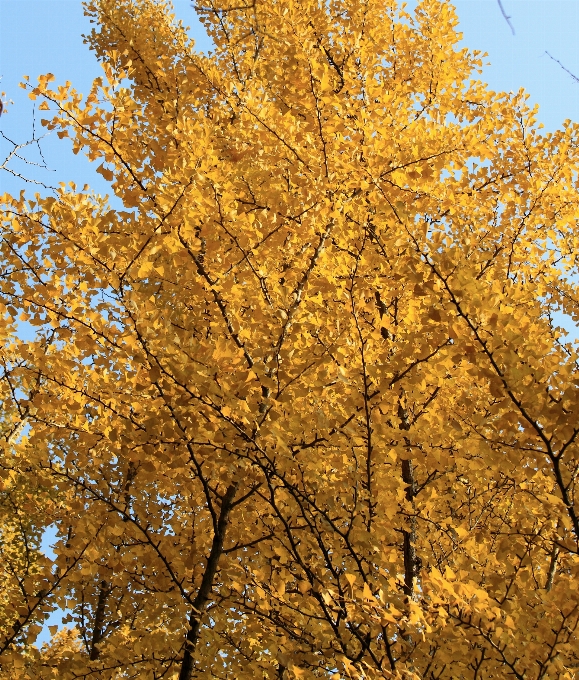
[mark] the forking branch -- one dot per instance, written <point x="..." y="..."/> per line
<point x="507" y="17"/>
<point x="16" y="152"/>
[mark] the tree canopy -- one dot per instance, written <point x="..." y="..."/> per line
<point x="297" y="404"/>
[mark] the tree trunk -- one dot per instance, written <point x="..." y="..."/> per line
<point x="411" y="560"/>
<point x="410" y="557"/>
<point x="202" y="598"/>
<point x="99" y="619"/>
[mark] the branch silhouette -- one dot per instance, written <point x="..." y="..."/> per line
<point x="575" y="78"/>
<point x="507" y="17"/>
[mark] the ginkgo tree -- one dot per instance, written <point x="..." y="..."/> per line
<point x="299" y="405"/>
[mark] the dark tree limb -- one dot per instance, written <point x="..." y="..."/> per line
<point x="98" y="630"/>
<point x="411" y="559"/>
<point x="411" y="563"/>
<point x="202" y="598"/>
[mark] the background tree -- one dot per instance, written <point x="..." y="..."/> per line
<point x="301" y="401"/>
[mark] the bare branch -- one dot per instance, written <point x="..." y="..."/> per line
<point x="575" y="78"/>
<point x="507" y="17"/>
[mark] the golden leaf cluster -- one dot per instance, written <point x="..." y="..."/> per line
<point x="297" y="404"/>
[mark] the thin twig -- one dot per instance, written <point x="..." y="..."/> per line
<point x="575" y="78"/>
<point x="14" y="153"/>
<point x="507" y="17"/>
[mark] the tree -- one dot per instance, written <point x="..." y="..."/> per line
<point x="297" y="399"/>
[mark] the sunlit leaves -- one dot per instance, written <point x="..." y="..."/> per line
<point x="300" y="408"/>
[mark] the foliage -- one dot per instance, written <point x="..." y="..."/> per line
<point x="298" y="406"/>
